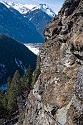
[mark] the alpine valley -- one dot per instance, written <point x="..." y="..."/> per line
<point x="47" y="88"/>
<point x="16" y="23"/>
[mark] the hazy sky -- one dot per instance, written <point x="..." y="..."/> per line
<point x="54" y="4"/>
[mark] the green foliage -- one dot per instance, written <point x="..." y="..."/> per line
<point x="3" y="110"/>
<point x="1" y="102"/>
<point x="9" y="79"/>
<point x="13" y="92"/>
<point x="27" y="80"/>
<point x="9" y="102"/>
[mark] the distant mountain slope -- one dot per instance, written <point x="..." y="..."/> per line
<point x="45" y="9"/>
<point x="14" y="56"/>
<point x="13" y="23"/>
<point x="24" y="8"/>
<point x="40" y="15"/>
<point x="39" y="18"/>
<point x="20" y="7"/>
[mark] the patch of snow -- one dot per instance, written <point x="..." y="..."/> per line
<point x="20" y="64"/>
<point x="3" y="69"/>
<point x="22" y="8"/>
<point x="33" y="48"/>
<point x="30" y="18"/>
<point x="4" y="86"/>
<point x="29" y="6"/>
<point x="2" y="65"/>
<point x="45" y="9"/>
<point x="17" y="62"/>
<point x="6" y="4"/>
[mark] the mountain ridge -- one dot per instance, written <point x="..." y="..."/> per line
<point x="45" y="9"/>
<point x="39" y="15"/>
<point x="39" y="18"/>
<point x="15" y="25"/>
<point x="24" y="8"/>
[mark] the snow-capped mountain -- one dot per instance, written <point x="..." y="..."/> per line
<point x="14" y="24"/>
<point x="5" y="3"/>
<point x="45" y="9"/>
<point x="24" y="8"/>
<point x="39" y="18"/>
<point x="39" y="15"/>
<point x="21" y="8"/>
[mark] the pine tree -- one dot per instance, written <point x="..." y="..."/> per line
<point x="27" y="80"/>
<point x="1" y="104"/>
<point x="13" y="92"/>
<point x="9" y="79"/>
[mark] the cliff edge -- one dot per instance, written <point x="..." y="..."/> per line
<point x="57" y="96"/>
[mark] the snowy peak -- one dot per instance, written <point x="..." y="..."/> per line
<point x="24" y="8"/>
<point x="6" y="4"/>
<point x="21" y="8"/>
<point x="17" y="26"/>
<point x="45" y="9"/>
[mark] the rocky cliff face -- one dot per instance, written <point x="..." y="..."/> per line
<point x="57" y="97"/>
